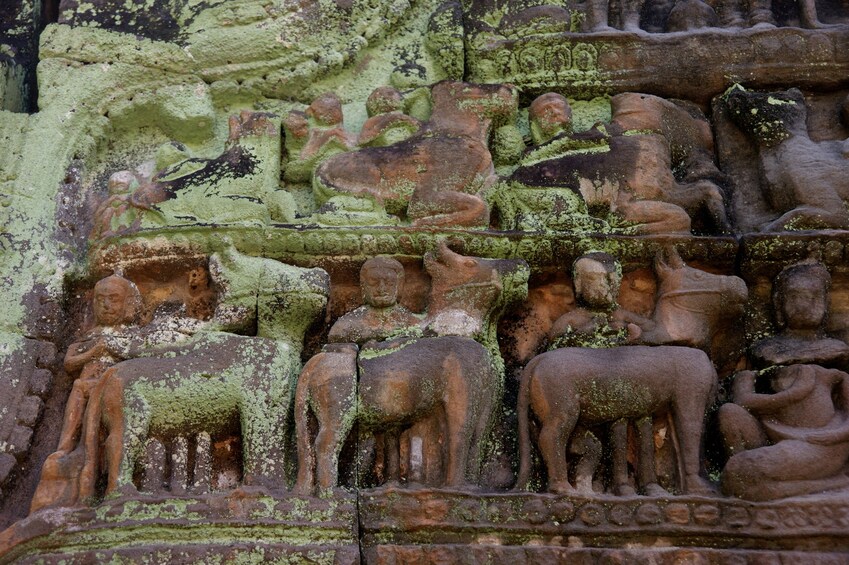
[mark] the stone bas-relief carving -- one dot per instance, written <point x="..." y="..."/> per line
<point x="794" y="439"/>
<point x="602" y="16"/>
<point x="116" y="306"/>
<point x="576" y="388"/>
<point x="802" y="179"/>
<point x="621" y="172"/>
<point x="637" y="184"/>
<point x="182" y="375"/>
<point x="397" y="380"/>
<point x="437" y="177"/>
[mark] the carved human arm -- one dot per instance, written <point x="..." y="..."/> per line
<point x="743" y="391"/>
<point x="81" y="352"/>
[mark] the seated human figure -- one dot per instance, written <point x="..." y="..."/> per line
<point x="116" y="308"/>
<point x="314" y="135"/>
<point x="795" y="439"/>
<point x="598" y="320"/>
<point x="381" y="317"/>
<point x="387" y="123"/>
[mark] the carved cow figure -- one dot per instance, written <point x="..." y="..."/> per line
<point x="397" y="383"/>
<point x="569" y="387"/>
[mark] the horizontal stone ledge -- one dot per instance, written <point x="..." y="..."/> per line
<point x="441" y="516"/>
<point x="284" y="524"/>
<point x="705" y="62"/>
<point x="318" y="246"/>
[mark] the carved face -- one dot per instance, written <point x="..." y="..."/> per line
<point x="380" y="287"/>
<point x="110" y="302"/>
<point x="551" y="114"/>
<point x="803" y="303"/>
<point x="595" y="286"/>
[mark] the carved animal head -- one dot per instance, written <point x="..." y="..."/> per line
<point x="691" y="303"/>
<point x="467" y="293"/>
<point x="768" y="117"/>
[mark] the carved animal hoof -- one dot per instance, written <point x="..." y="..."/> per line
<point x="561" y="488"/>
<point x="624" y="490"/>
<point x="698" y="485"/>
<point x="654" y="489"/>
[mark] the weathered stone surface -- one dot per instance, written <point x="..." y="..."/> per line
<point x="685" y="158"/>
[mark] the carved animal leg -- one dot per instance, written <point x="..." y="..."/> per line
<point x="305" y="483"/>
<point x="702" y="194"/>
<point x="619" y="436"/>
<point x="631" y="15"/>
<point x="652" y="216"/>
<point x="459" y="440"/>
<point x="646" y="476"/>
<point x="553" y="437"/>
<point x="589" y="448"/>
<point x="689" y="408"/>
<point x="448" y="209"/>
<point x="808" y="15"/>
<point x="328" y="445"/>
<point x="760" y="13"/>
<point x="598" y="16"/>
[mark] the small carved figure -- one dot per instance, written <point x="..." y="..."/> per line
<point x="381" y="317"/>
<point x="314" y="136"/>
<point x="387" y="123"/>
<point x="113" y="214"/>
<point x="624" y="168"/>
<point x="200" y="302"/>
<point x="438" y="177"/>
<point x="598" y="321"/>
<point x="806" y="181"/>
<point x="450" y="379"/>
<point x="116" y="308"/>
<point x="794" y="440"/>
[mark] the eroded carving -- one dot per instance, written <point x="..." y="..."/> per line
<point x="450" y="380"/>
<point x="621" y="172"/>
<point x="572" y="389"/>
<point x="438" y="177"/>
<point x="803" y="180"/>
<point x="793" y="439"/>
<point x="116" y="304"/>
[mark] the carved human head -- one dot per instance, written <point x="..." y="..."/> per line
<point x="380" y="281"/>
<point x="326" y="110"/>
<point x="382" y="100"/>
<point x="597" y="277"/>
<point x="550" y="115"/>
<point x="116" y="301"/>
<point x="800" y="296"/>
<point x="120" y="182"/>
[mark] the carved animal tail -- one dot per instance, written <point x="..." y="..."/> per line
<point x="522" y="407"/>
